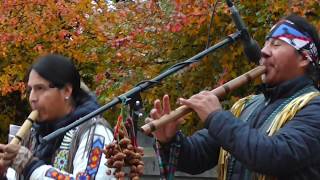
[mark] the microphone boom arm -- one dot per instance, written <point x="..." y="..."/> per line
<point x="143" y="86"/>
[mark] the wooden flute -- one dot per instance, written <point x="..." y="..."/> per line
<point x="25" y="128"/>
<point x="219" y="92"/>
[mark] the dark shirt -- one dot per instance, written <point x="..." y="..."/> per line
<point x="291" y="153"/>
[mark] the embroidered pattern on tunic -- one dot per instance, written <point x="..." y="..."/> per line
<point x="94" y="158"/>
<point x="82" y="176"/>
<point x="61" y="159"/>
<point x="54" y="174"/>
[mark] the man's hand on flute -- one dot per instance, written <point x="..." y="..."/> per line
<point x="168" y="131"/>
<point x="8" y="153"/>
<point x="202" y="103"/>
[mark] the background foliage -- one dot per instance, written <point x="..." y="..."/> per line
<point x="116" y="46"/>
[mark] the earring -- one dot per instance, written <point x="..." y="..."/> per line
<point x="66" y="98"/>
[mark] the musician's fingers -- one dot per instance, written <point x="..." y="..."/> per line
<point x="154" y="114"/>
<point x="12" y="148"/>
<point x="157" y="106"/>
<point x="2" y="146"/>
<point x="189" y="102"/>
<point x="5" y="163"/>
<point x="166" y="104"/>
<point x="9" y="156"/>
<point x="205" y="93"/>
<point x="181" y="121"/>
<point x="147" y="120"/>
<point x="195" y="97"/>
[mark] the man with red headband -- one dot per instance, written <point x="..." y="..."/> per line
<point x="273" y="135"/>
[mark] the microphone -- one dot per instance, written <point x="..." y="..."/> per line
<point x="251" y="47"/>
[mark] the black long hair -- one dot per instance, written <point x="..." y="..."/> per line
<point x="60" y="71"/>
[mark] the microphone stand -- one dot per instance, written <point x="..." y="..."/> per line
<point x="129" y="95"/>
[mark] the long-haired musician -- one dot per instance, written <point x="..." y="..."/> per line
<point x="55" y="92"/>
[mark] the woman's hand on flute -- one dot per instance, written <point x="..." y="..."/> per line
<point x="168" y="131"/>
<point x="202" y="103"/>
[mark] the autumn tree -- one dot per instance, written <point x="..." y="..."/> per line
<point x="115" y="46"/>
